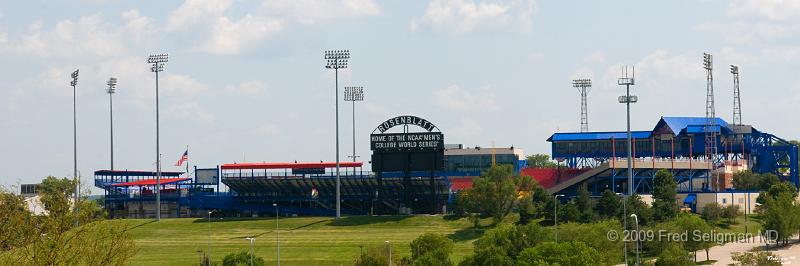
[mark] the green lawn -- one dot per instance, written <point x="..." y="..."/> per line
<point x="304" y="241"/>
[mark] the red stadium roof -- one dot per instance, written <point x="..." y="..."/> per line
<point x="289" y="165"/>
<point x="149" y="182"/>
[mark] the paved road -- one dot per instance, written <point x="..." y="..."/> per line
<point x="789" y="255"/>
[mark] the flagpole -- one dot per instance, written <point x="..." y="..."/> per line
<point x="187" y="162"/>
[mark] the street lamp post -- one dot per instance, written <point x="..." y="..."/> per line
<point x="636" y="218"/>
<point x="74" y="83"/>
<point x="277" y="234"/>
<point x="252" y="239"/>
<point x="158" y="60"/>
<point x="337" y="59"/>
<point x="354" y="94"/>
<point x="555" y="215"/>
<point x="389" y="244"/>
<point x="112" y="87"/>
<point x="208" y="244"/>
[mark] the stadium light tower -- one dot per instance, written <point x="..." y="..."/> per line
<point x="583" y="85"/>
<point x="627" y="99"/>
<point x="112" y="87"/>
<point x="74" y="84"/>
<point x="354" y="94"/>
<point x="157" y="61"/>
<point x="737" y="100"/>
<point x="710" y="135"/>
<point x="337" y="59"/>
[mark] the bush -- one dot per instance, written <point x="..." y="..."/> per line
<point x="431" y="249"/>
<point x="674" y="255"/>
<point x="242" y="258"/>
<point x="759" y="258"/>
<point x="730" y="212"/>
<point x="712" y="212"/>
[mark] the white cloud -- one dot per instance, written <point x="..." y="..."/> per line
<point x="189" y="110"/>
<point x="314" y="11"/>
<point x="582" y="73"/>
<point x="454" y="98"/>
<point x="535" y="57"/>
<point x="267" y="130"/>
<point x="782" y="53"/>
<point x="183" y="85"/>
<point x="595" y="58"/>
<point x="749" y="32"/>
<point x="87" y="36"/>
<point x="230" y="37"/>
<point x="461" y="16"/>
<point x="196" y="11"/>
<point x="770" y="9"/>
<point x="250" y="87"/>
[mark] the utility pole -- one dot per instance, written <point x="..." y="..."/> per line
<point x="627" y="99"/>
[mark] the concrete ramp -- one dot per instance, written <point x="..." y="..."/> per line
<point x="637" y="164"/>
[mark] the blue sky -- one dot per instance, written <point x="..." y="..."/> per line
<point x="246" y="79"/>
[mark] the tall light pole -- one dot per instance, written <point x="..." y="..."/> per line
<point x="74" y="83"/>
<point x="555" y="215"/>
<point x="354" y="94"/>
<point x="157" y="61"/>
<point x="389" y="245"/>
<point x="636" y="218"/>
<point x="337" y="59"/>
<point x="252" y="239"/>
<point x="583" y="86"/>
<point x="112" y="87"/>
<point x="627" y="99"/>
<point x="277" y="234"/>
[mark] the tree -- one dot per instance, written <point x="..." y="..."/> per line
<point x="542" y="202"/>
<point x="563" y="253"/>
<point x="15" y="220"/>
<point x="569" y="212"/>
<point x="712" y="212"/>
<point x="495" y="191"/>
<point x="664" y="190"/>
<point x="584" y="204"/>
<point x="746" y="180"/>
<point x="54" y="238"/>
<point x="638" y="207"/>
<point x="766" y="180"/>
<point x="673" y="255"/>
<point x="609" y="205"/>
<point x="694" y="226"/>
<point x="431" y="249"/>
<point x="540" y="161"/>
<point x="595" y="235"/>
<point x="781" y="211"/>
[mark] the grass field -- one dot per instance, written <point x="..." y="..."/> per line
<point x="304" y="241"/>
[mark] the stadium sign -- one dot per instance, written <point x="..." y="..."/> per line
<point x="406" y="120"/>
<point x="407" y="151"/>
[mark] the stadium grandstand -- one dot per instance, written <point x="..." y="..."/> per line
<point x="677" y="144"/>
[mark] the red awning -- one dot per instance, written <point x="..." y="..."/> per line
<point x="149" y="182"/>
<point x="289" y="165"/>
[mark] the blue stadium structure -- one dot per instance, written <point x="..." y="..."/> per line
<point x="676" y="144"/>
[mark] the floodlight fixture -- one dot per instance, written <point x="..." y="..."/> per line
<point x="708" y="61"/>
<point x="337" y="58"/>
<point x="112" y="85"/>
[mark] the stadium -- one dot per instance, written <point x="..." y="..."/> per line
<point x="410" y="179"/>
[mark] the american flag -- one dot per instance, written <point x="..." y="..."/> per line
<point x="184" y="158"/>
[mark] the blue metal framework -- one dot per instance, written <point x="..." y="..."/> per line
<point x="676" y="138"/>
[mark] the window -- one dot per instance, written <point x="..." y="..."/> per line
<point x="724" y="200"/>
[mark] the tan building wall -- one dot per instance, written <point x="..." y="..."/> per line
<point x="746" y="201"/>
